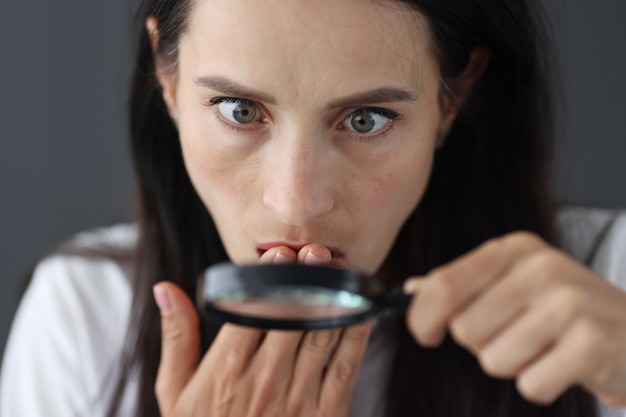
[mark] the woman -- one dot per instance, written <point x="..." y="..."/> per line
<point x="408" y="140"/>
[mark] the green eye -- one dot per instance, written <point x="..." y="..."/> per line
<point x="369" y="120"/>
<point x="238" y="111"/>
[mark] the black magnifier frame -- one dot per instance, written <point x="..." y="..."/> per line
<point x="225" y="278"/>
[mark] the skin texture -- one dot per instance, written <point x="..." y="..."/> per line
<point x="529" y="312"/>
<point x="296" y="184"/>
<point x="249" y="372"/>
<point x="298" y="175"/>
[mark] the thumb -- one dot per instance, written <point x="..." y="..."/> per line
<point x="180" y="343"/>
<point x="413" y="285"/>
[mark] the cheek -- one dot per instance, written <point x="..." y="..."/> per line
<point x="220" y="178"/>
<point x="396" y="191"/>
<point x="217" y="171"/>
<point x="386" y="202"/>
<point x="226" y="190"/>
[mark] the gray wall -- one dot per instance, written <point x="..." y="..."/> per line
<point x="63" y="155"/>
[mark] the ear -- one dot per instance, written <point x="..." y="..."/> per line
<point x="459" y="89"/>
<point x="165" y="76"/>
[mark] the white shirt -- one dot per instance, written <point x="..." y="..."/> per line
<point x="61" y="359"/>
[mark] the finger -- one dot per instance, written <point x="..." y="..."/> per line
<point x="414" y="285"/>
<point x="180" y="345"/>
<point x="272" y="369"/>
<point x="576" y="355"/>
<point x="233" y="348"/>
<point x="315" y="254"/>
<point x="452" y="287"/>
<point x="314" y="353"/>
<point x="278" y="255"/>
<point x="224" y="365"/>
<point x="343" y="368"/>
<point x="491" y="311"/>
<point x="509" y="352"/>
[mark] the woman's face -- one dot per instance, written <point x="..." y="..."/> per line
<point x="307" y="122"/>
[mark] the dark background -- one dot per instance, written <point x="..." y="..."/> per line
<point x="64" y="70"/>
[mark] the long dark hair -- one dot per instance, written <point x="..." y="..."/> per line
<point x="491" y="177"/>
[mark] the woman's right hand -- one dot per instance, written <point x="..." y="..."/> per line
<point x="250" y="372"/>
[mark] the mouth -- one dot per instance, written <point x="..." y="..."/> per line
<point x="336" y="254"/>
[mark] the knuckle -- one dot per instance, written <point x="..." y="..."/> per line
<point x="463" y="332"/>
<point x="495" y="365"/>
<point x="520" y="243"/>
<point x="542" y="263"/>
<point x="343" y="372"/>
<point x="231" y="370"/>
<point x="444" y="285"/>
<point x="543" y="267"/>
<point x="522" y="239"/>
<point x="265" y="389"/>
<point x="593" y="341"/>
<point x="174" y="334"/>
<point x="565" y="302"/>
<point x="535" y="392"/>
<point x="359" y="333"/>
<point x="493" y="246"/>
<point x="320" y="339"/>
<point x="235" y="357"/>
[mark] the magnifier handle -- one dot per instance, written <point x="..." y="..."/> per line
<point x="393" y="301"/>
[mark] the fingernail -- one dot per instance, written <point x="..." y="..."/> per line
<point x="281" y="259"/>
<point x="162" y="299"/>
<point x="313" y="259"/>
<point x="412" y="286"/>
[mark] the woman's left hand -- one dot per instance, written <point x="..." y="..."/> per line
<point x="530" y="312"/>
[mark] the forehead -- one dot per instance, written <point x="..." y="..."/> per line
<point x="307" y="41"/>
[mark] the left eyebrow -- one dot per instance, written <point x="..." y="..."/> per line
<point x="376" y="96"/>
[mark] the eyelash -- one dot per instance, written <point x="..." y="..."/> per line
<point x="364" y="138"/>
<point x="225" y="99"/>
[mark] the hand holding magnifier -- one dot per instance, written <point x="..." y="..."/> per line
<point x="294" y="296"/>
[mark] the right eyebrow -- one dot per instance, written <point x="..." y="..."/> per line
<point x="232" y="88"/>
<point x="375" y="96"/>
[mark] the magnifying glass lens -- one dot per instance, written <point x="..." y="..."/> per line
<point x="291" y="297"/>
<point x="287" y="302"/>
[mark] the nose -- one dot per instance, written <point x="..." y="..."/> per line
<point x="299" y="181"/>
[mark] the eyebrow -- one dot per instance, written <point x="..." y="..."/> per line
<point x="375" y="96"/>
<point x="232" y="88"/>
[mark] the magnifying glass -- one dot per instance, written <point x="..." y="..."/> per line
<point x="293" y="296"/>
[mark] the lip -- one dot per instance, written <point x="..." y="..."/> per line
<point x="264" y="247"/>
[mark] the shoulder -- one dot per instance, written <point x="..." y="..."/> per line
<point x="597" y="237"/>
<point x="114" y="239"/>
<point x="71" y="322"/>
<point x="91" y="272"/>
